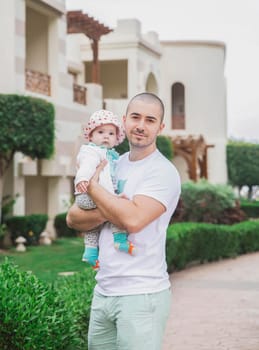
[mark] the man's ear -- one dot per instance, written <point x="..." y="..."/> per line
<point x="162" y="125"/>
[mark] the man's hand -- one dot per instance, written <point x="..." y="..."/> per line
<point x="95" y="178"/>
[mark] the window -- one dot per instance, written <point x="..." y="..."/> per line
<point x="178" y="106"/>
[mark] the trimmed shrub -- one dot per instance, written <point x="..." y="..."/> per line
<point x="77" y="292"/>
<point x="61" y="228"/>
<point x="251" y="208"/>
<point x="200" y="242"/>
<point x="28" y="226"/>
<point x="178" y="247"/>
<point x="32" y="314"/>
<point x="233" y="215"/>
<point x="205" y="202"/>
<point x="248" y="233"/>
<point x="27" y="126"/>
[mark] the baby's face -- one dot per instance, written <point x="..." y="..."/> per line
<point x="104" y="135"/>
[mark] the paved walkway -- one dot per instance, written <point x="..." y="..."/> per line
<point x="215" y="306"/>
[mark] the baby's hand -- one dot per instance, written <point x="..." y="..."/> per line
<point x="82" y="186"/>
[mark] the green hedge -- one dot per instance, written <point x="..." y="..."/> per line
<point x="251" y="208"/>
<point x="61" y="228"/>
<point x="28" y="226"/>
<point x="248" y="234"/>
<point x="34" y="315"/>
<point x="200" y="242"/>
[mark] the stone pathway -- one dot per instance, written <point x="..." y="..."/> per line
<point x="215" y="306"/>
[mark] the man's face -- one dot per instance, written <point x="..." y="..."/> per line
<point x="143" y="123"/>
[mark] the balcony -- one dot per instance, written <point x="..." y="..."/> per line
<point x="38" y="82"/>
<point x="79" y="94"/>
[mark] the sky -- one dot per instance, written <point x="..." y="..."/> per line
<point x="234" y="22"/>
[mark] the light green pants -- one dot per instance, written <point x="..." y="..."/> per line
<point x="134" y="322"/>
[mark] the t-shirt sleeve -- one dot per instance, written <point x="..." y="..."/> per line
<point x="162" y="184"/>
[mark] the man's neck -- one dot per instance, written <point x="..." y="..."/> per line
<point x="137" y="153"/>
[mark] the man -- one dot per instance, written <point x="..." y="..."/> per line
<point x="132" y="297"/>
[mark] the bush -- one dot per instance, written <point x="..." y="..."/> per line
<point x="205" y="202"/>
<point x="3" y="231"/>
<point x="29" y="226"/>
<point x="164" y="144"/>
<point x="200" y="242"/>
<point x="60" y="225"/>
<point x="248" y="233"/>
<point x="77" y="292"/>
<point x="251" y="208"/>
<point x="123" y="147"/>
<point x="32" y="314"/>
<point x="233" y="215"/>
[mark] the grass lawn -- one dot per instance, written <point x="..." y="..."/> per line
<point x="46" y="262"/>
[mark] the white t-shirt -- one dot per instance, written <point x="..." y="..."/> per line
<point x="146" y="272"/>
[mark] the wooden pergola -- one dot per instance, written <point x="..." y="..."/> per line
<point x="78" y="22"/>
<point x="194" y="150"/>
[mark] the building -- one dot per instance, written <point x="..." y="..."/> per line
<point x="34" y="62"/>
<point x="78" y="64"/>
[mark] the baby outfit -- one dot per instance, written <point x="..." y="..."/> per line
<point x="89" y="157"/>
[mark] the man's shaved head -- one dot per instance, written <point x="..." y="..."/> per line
<point x="148" y="97"/>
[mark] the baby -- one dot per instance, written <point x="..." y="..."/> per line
<point x="102" y="133"/>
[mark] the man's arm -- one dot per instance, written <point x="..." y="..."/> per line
<point x="130" y="215"/>
<point x="84" y="220"/>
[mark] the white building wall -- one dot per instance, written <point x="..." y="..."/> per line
<point x="11" y="26"/>
<point x="127" y="42"/>
<point x="199" y="66"/>
<point x="55" y="174"/>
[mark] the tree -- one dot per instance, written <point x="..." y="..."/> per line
<point x="27" y="126"/>
<point x="243" y="164"/>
